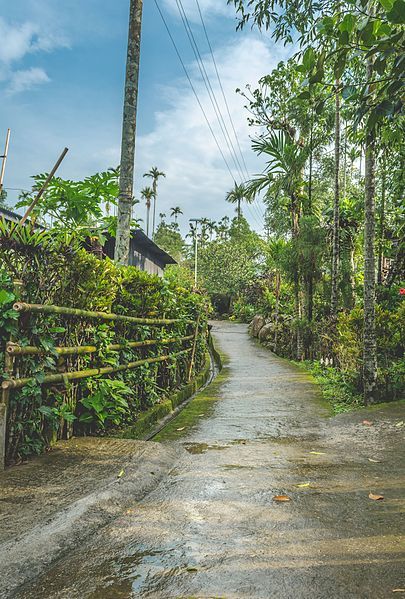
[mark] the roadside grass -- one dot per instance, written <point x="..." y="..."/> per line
<point x="338" y="389"/>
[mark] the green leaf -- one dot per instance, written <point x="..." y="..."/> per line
<point x="6" y="297"/>
<point x="348" y="24"/>
<point x="309" y="59"/>
<point x="305" y="95"/>
<point x="397" y="13"/>
<point x="387" y="4"/>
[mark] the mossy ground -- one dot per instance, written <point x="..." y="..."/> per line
<point x="201" y="406"/>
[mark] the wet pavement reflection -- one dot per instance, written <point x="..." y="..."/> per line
<point x="213" y="529"/>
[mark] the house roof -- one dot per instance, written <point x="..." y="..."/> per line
<point x="10" y="215"/>
<point x="143" y="242"/>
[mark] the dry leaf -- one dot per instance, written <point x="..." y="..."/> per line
<point x="201" y="414"/>
<point x="121" y="473"/>
<point x="181" y="428"/>
<point x="367" y="423"/>
<point x="302" y="485"/>
<point x="374" y="461"/>
<point x="317" y="453"/>
<point x="400" y="423"/>
<point x="376" y="497"/>
<point x="281" y="498"/>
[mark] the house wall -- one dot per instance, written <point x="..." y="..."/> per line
<point x="144" y="263"/>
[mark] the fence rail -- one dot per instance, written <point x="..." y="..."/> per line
<point x="49" y="309"/>
<point x="14" y="351"/>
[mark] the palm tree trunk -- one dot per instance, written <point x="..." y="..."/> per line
<point x="369" y="334"/>
<point x="382" y="218"/>
<point x="297" y="291"/>
<point x="335" y="243"/>
<point x="125" y="198"/>
<point x="147" y="219"/>
<point x="154" y="186"/>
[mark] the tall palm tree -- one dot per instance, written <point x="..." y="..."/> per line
<point x="147" y="195"/>
<point x="125" y="199"/>
<point x="237" y="195"/>
<point x="284" y="173"/>
<point x="176" y="211"/>
<point x="154" y="174"/>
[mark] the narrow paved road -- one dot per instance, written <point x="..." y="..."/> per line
<point x="212" y="527"/>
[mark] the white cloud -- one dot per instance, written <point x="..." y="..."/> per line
<point x="182" y="146"/>
<point x="17" y="42"/>
<point x="25" y="80"/>
<point x="209" y="8"/>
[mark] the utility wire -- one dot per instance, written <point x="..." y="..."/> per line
<point x="221" y="87"/>
<point x="208" y="86"/>
<point x="255" y="202"/>
<point x="193" y="88"/>
<point x="215" y="104"/>
<point x="196" y="94"/>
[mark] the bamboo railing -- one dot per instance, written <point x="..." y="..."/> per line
<point x="15" y="350"/>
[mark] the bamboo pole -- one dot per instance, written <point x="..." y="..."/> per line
<point x="194" y="348"/>
<point x="3" y="164"/>
<point x="82" y="374"/>
<point x="44" y="186"/>
<point x="50" y="309"/>
<point x="17" y="350"/>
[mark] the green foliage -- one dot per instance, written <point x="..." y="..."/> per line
<point x="59" y="273"/>
<point x="169" y="239"/>
<point x="106" y="402"/>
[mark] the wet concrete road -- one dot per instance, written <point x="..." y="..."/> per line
<point x="212" y="527"/>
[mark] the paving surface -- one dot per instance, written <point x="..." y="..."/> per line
<point x="212" y="528"/>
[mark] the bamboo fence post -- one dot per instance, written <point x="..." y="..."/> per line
<point x="4" y="157"/>
<point x="44" y="186"/>
<point x="5" y="395"/>
<point x="194" y="348"/>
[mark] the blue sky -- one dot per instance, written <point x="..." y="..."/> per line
<point x="62" y="70"/>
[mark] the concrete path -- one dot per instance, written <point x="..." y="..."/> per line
<point x="212" y="528"/>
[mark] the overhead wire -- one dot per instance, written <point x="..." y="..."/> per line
<point x="255" y="202"/>
<point x="193" y="88"/>
<point x="209" y="88"/>
<point x="258" y="217"/>
<point x="207" y="83"/>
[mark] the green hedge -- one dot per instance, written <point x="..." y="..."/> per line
<point x="56" y="271"/>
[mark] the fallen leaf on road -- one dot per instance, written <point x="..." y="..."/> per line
<point x="121" y="473"/>
<point x="181" y="428"/>
<point x="281" y="498"/>
<point x="367" y="423"/>
<point x="376" y="497"/>
<point x="374" y="461"/>
<point x="302" y="485"/>
<point x="317" y="453"/>
<point x="400" y="423"/>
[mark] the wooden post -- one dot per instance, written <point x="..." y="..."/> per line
<point x="8" y="369"/>
<point x="3" y="164"/>
<point x="194" y="349"/>
<point x="45" y="185"/>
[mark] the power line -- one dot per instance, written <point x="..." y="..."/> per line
<point x="255" y="202"/>
<point x="214" y="102"/>
<point x="197" y="97"/>
<point x="193" y="88"/>
<point x="208" y="86"/>
<point x="221" y="87"/>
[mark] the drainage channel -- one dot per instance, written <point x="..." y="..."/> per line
<point x="214" y="370"/>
